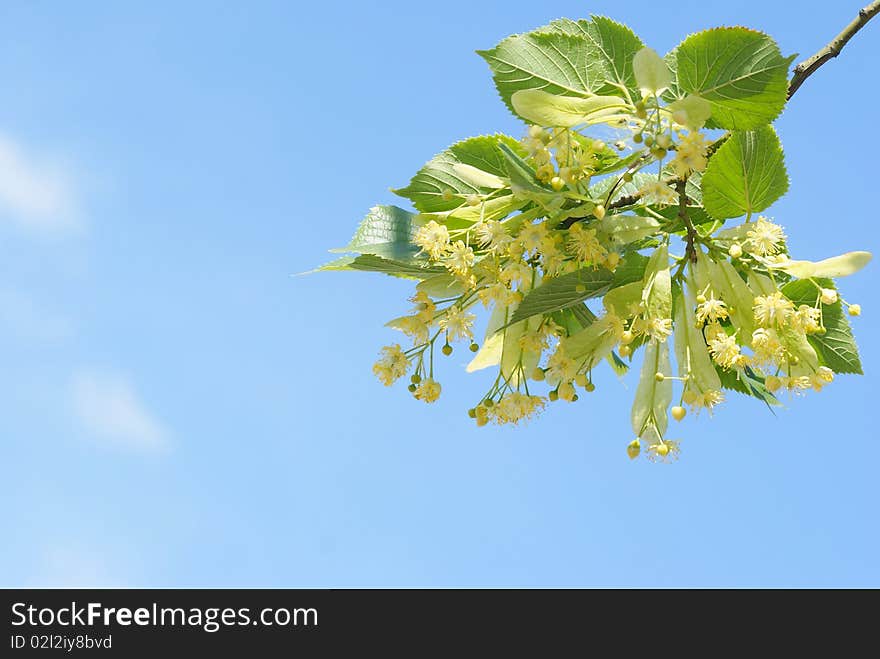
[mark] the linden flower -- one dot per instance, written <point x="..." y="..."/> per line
<point x="657" y="192"/>
<point x="391" y="366"/>
<point x="705" y="400"/>
<point x="457" y="323"/>
<point x="515" y="272"/>
<point x="460" y="258"/>
<point x="659" y="329"/>
<point x="808" y="319"/>
<point x="415" y="327"/>
<point x="531" y="235"/>
<point x="553" y="263"/>
<point x="494" y="293"/>
<point x="765" y="238"/>
<point x="515" y="407"/>
<point x="664" y="451"/>
<point x="796" y="384"/>
<point x="560" y="367"/>
<point x="433" y="239"/>
<point x="712" y="310"/>
<point x="583" y="244"/>
<point x="725" y="351"/>
<point x="492" y="235"/>
<point x="766" y="345"/>
<point x="534" y="341"/>
<point x="424" y="306"/>
<point x="821" y="377"/>
<point x="774" y="309"/>
<point x="690" y="155"/>
<point x="428" y="390"/>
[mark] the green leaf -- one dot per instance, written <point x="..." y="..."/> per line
<point x="613" y="48"/>
<point x="745" y="175"/>
<point x="442" y="185"/>
<point x="836" y="348"/>
<point x="441" y="286"/>
<point x="746" y="381"/>
<point x="611" y="162"/>
<point x="386" y="231"/>
<point x="583" y="315"/>
<point x="543" y="109"/>
<point x="562" y="292"/>
<point x="741" y="72"/>
<point x="373" y="263"/>
<point x="560" y="64"/>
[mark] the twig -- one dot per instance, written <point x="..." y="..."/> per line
<point x="801" y="72"/>
<point x="690" y="251"/>
<point x="806" y="68"/>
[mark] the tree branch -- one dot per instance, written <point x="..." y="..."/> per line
<point x="806" y="68"/>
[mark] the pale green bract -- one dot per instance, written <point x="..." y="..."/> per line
<point x="652" y="73"/>
<point x="621" y="224"/>
<point x="545" y="109"/>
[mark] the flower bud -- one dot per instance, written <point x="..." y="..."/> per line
<point x="634" y="448"/>
<point x="735" y="251"/>
<point x="599" y="211"/>
<point x="828" y="295"/>
<point x="855" y="310"/>
<point x="678" y="412"/>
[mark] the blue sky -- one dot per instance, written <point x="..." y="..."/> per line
<point x="178" y="410"/>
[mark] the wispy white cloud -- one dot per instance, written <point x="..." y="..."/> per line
<point x="35" y="191"/>
<point x="110" y="408"/>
